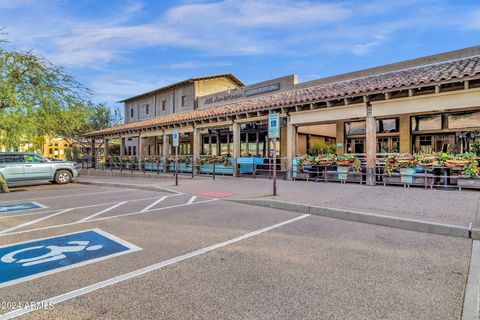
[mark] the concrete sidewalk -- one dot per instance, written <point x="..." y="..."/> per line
<point x="439" y="206"/>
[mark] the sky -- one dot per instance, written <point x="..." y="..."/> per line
<point x="121" y="48"/>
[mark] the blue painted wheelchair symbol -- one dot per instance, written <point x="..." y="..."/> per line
<point x="23" y="206"/>
<point x="29" y="260"/>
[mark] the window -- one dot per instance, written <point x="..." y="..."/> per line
<point x="11" y="158"/>
<point x="353" y="128"/>
<point x="147" y="109"/>
<point x="33" y="158"/>
<point x="464" y="120"/>
<point x="131" y="113"/>
<point x="356" y="145"/>
<point x="388" y="125"/>
<point x="206" y="145"/>
<point x="427" y="123"/>
<point x="164" y="105"/>
<point x="184" y="101"/>
<point x="383" y="126"/>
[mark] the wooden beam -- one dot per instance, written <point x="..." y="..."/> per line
<point x="410" y="92"/>
<point x="388" y="95"/>
<point x="466" y="84"/>
<point x="330" y="104"/>
<point x="437" y="89"/>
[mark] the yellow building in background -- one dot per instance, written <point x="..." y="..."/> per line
<point x="55" y="148"/>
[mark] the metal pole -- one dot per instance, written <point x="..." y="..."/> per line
<point x="194" y="162"/>
<point x="274" y="166"/>
<point x="176" y="165"/>
<point x="214" y="168"/>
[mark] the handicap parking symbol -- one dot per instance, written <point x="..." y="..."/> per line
<point x="32" y="259"/>
<point x="22" y="206"/>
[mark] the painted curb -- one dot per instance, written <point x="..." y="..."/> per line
<point x="127" y="186"/>
<point x="472" y="290"/>
<point x="370" y="218"/>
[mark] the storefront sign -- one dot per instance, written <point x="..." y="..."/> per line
<point x="175" y="137"/>
<point x="273" y="126"/>
<point x="246" y="93"/>
<point x="264" y="89"/>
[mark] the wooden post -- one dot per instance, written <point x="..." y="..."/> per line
<point x="122" y="147"/>
<point x="197" y="146"/>
<point x="105" y="152"/>
<point x="140" y="152"/>
<point x="236" y="147"/>
<point x="92" y="146"/>
<point x="371" y="143"/>
<point x="105" y="148"/>
<point x="165" y="151"/>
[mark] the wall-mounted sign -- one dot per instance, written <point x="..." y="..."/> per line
<point x="246" y="93"/>
<point x="273" y="126"/>
<point x="175" y="137"/>
<point x="268" y="88"/>
<point x="339" y="144"/>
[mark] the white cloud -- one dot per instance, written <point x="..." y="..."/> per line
<point x="12" y="4"/>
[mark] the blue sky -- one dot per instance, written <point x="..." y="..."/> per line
<point x="125" y="47"/>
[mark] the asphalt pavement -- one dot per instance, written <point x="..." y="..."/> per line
<point x="199" y="257"/>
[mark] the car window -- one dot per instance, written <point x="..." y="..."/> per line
<point x="11" y="158"/>
<point x="32" y="158"/>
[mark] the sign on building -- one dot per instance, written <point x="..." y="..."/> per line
<point x="273" y="126"/>
<point x="175" y="137"/>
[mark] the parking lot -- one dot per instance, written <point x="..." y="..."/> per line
<point x="130" y="253"/>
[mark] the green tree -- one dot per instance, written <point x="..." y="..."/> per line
<point x="38" y="98"/>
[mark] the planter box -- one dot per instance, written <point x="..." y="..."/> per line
<point x="246" y="164"/>
<point x="416" y="179"/>
<point x="153" y="166"/>
<point x="219" y="168"/>
<point x="182" y="167"/>
<point x="407" y="175"/>
<point x="351" y="176"/>
<point x="342" y="172"/>
<point x="468" y="183"/>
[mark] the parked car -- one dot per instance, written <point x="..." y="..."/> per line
<point x="25" y="166"/>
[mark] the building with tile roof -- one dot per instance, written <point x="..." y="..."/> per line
<point x="421" y="105"/>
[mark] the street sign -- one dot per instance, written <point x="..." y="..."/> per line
<point x="28" y="260"/>
<point x="273" y="126"/>
<point x="21" y="206"/>
<point x="175" y="137"/>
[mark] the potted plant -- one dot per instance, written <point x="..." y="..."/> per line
<point x="470" y="170"/>
<point x="345" y="163"/>
<point x="404" y="163"/>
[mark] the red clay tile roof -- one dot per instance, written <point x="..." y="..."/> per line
<point x="434" y="73"/>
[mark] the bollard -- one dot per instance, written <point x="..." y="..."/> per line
<point x="213" y="169"/>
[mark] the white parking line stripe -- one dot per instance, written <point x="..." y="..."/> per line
<point x="104" y="218"/>
<point x="139" y="272"/>
<point x="192" y="199"/>
<point x="82" y="207"/>
<point x="33" y="221"/>
<point x="66" y="195"/>
<point x="153" y="204"/>
<point x="103" y="211"/>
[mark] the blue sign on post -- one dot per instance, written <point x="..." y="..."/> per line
<point x="24" y="261"/>
<point x="175" y="137"/>
<point x="273" y="126"/>
<point x="21" y="206"/>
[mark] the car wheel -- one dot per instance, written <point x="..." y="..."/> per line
<point x="63" y="177"/>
